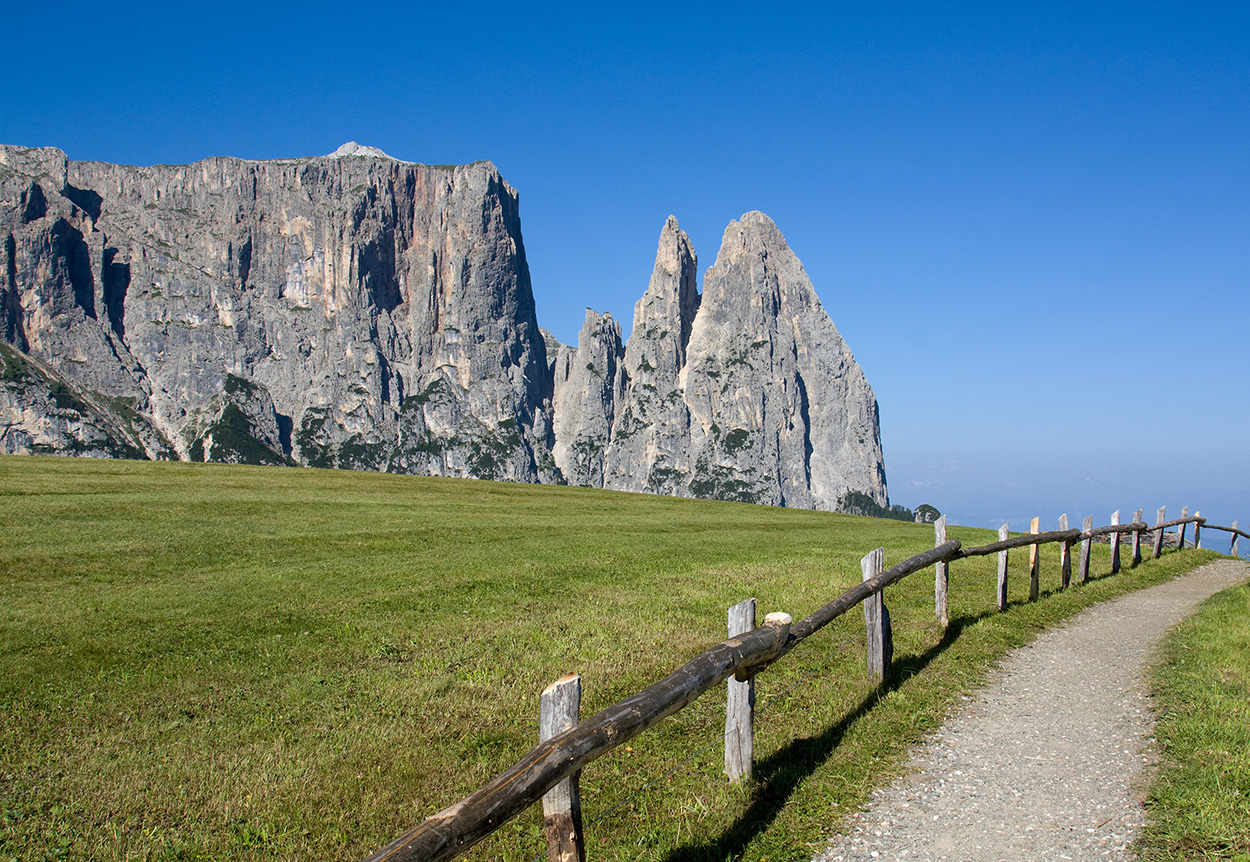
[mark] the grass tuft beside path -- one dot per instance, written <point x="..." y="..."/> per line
<point x="200" y="661"/>
<point x="1199" y="805"/>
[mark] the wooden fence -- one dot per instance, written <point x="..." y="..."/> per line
<point x="550" y="770"/>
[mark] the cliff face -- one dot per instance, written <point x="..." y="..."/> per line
<point x="350" y="310"/>
<point x="650" y="446"/>
<point x="357" y="311"/>
<point x="589" y="383"/>
<point x="781" y="411"/>
<point x="747" y="392"/>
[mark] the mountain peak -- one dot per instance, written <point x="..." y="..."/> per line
<point x="351" y="148"/>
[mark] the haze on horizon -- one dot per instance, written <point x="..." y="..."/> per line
<point x="1030" y="225"/>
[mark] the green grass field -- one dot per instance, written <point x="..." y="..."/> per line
<point x="210" y="662"/>
<point x="1200" y="803"/>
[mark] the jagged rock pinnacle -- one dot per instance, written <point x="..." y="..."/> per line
<point x="280" y="311"/>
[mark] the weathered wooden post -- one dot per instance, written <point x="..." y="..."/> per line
<point x="1086" y="527"/>
<point x="1002" y="570"/>
<point x="1197" y="531"/>
<point x="1233" y="553"/>
<point x="562" y="805"/>
<point x="1159" y="519"/>
<point x="1065" y="554"/>
<point x="941" y="574"/>
<point x="877" y="620"/>
<point x="1137" y="539"/>
<point x="1115" y="543"/>
<point x="1180" y="545"/>
<point x="740" y="708"/>
<point x="1035" y="567"/>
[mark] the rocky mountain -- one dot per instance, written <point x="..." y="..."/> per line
<point x="747" y="392"/>
<point x="357" y="311"/>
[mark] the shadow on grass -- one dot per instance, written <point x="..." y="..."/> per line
<point x="780" y="774"/>
<point x="1094" y="577"/>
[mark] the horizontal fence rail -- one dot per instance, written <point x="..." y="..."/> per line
<point x="856" y="594"/>
<point x="455" y="829"/>
<point x="1233" y="530"/>
<point x="1193" y="519"/>
<point x="561" y="757"/>
<point x="1019" y="542"/>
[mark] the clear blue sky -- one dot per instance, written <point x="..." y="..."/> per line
<point x="1031" y="222"/>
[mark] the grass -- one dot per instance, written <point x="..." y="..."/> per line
<point x="1199" y="805"/>
<point x="202" y="661"/>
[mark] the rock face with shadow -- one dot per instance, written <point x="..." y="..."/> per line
<point x="747" y="392"/>
<point x="356" y="311"/>
<point x="351" y="310"/>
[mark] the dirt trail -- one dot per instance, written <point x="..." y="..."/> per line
<point x="1047" y="762"/>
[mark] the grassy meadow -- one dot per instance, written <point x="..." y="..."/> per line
<point x="1200" y="802"/>
<point x="200" y="661"/>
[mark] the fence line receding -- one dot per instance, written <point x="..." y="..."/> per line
<point x="550" y="770"/>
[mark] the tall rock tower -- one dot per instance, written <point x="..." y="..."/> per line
<point x="780" y="410"/>
<point x="747" y="392"/>
<point x="354" y="310"/>
<point x="648" y="449"/>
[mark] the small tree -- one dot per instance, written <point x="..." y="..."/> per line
<point x="926" y="514"/>
<point x="859" y="503"/>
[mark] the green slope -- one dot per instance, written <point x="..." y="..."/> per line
<point x="202" y="661"/>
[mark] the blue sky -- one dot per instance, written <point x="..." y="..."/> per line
<point x="1031" y="222"/>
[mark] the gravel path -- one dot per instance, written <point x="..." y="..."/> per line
<point x="1046" y="762"/>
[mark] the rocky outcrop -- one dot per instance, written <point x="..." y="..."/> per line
<point x="350" y="310"/>
<point x="42" y="414"/>
<point x="764" y="403"/>
<point x="589" y="383"/>
<point x="649" y="447"/>
<point x="357" y="311"/>
<point x="781" y="410"/>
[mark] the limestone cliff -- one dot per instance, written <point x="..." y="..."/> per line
<point x="780" y="410"/>
<point x="649" y="449"/>
<point x="350" y="310"/>
<point x="353" y="310"/>
<point x="589" y="383"/>
<point x="747" y="392"/>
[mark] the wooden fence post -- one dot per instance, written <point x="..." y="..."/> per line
<point x="1180" y="545"/>
<point x="877" y="620"/>
<point x="1035" y="566"/>
<point x="1002" y="570"/>
<point x="1234" y="551"/>
<point x="941" y="574"/>
<point x="1086" y="527"/>
<point x="1197" y="531"/>
<point x="1115" y="543"/>
<point x="1159" y="519"/>
<point x="1137" y="539"/>
<point x="562" y="805"/>
<point x="740" y="708"/>
<point x="1065" y="554"/>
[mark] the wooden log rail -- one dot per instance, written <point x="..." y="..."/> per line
<point x="1020" y="541"/>
<point x="455" y="829"/>
<point x="1121" y="528"/>
<point x="1232" y="530"/>
<point x="813" y="623"/>
<point x="1193" y="519"/>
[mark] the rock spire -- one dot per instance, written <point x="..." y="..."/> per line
<point x="356" y="311"/>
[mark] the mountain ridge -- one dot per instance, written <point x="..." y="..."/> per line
<point x="356" y="311"/>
